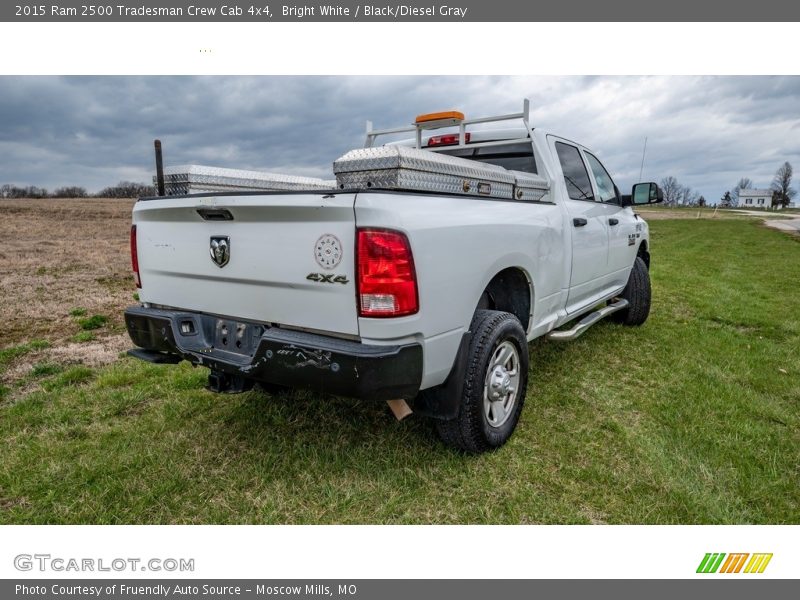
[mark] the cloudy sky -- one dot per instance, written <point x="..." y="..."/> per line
<point x="95" y="131"/>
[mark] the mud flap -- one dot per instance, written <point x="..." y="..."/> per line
<point x="442" y="402"/>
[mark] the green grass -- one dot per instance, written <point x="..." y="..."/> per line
<point x="45" y="369"/>
<point x="78" y="312"/>
<point x="692" y="418"/>
<point x="13" y="352"/>
<point x="83" y="336"/>
<point x="93" y="322"/>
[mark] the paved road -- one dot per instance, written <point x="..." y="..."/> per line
<point x="792" y="225"/>
<point x="786" y="224"/>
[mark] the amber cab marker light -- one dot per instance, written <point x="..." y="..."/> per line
<point x="439" y="119"/>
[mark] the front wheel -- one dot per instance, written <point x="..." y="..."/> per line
<point x="637" y="293"/>
<point x="496" y="380"/>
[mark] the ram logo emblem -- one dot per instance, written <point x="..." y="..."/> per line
<point x="220" y="249"/>
<point x="328" y="251"/>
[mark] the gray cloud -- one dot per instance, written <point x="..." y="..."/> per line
<point x="94" y="131"/>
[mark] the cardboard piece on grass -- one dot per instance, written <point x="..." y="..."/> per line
<point x="400" y="409"/>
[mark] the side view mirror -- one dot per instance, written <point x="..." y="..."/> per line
<point x="646" y="193"/>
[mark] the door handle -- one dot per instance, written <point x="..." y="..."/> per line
<point x="579" y="222"/>
<point x="613" y="222"/>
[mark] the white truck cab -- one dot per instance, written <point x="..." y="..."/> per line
<point x="417" y="277"/>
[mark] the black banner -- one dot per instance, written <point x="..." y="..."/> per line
<point x="198" y="11"/>
<point x="398" y="589"/>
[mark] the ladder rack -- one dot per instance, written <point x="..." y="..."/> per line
<point x="417" y="128"/>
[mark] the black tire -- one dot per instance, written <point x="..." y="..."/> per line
<point x="637" y="293"/>
<point x="471" y="430"/>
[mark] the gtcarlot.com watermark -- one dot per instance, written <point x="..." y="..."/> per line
<point x="58" y="564"/>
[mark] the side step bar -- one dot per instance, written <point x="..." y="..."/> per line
<point x="581" y="326"/>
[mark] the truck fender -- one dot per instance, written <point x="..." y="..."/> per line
<point x="644" y="254"/>
<point x="523" y="313"/>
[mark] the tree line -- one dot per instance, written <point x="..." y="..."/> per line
<point x="782" y="191"/>
<point x="124" y="189"/>
<point x="675" y="193"/>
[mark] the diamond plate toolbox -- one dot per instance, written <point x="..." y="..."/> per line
<point x="529" y="186"/>
<point x="403" y="168"/>
<point x="194" y="179"/>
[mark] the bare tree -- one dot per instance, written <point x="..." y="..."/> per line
<point x="33" y="191"/>
<point x="15" y="191"/>
<point x="70" y="192"/>
<point x="687" y="196"/>
<point x="127" y="189"/>
<point x="701" y="201"/>
<point x="671" y="189"/>
<point x="782" y="186"/>
<point x="745" y="183"/>
<point x="675" y="193"/>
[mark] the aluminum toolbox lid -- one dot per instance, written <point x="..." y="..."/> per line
<point x="530" y="186"/>
<point x="184" y="179"/>
<point x="413" y="159"/>
<point x="530" y="180"/>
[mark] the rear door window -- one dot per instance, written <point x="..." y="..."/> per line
<point x="575" y="175"/>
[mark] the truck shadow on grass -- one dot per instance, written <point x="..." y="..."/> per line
<point x="327" y="421"/>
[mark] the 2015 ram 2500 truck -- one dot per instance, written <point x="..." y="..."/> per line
<point x="420" y="275"/>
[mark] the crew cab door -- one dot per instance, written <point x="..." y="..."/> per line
<point x="588" y="223"/>
<point x="624" y="228"/>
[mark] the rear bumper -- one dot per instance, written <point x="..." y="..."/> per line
<point x="280" y="356"/>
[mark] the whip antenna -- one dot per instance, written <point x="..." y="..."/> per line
<point x="641" y="169"/>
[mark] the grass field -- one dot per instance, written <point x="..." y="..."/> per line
<point x="692" y="418"/>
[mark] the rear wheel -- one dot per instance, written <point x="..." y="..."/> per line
<point x="496" y="379"/>
<point x="637" y="293"/>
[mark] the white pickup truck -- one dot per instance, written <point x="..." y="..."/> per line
<point x="417" y="278"/>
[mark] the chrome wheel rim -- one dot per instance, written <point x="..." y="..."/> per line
<point x="501" y="385"/>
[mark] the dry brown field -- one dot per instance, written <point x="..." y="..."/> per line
<point x="64" y="260"/>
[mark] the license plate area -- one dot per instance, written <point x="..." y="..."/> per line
<point x="235" y="336"/>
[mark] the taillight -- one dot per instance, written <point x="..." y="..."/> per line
<point x="387" y="282"/>
<point x="448" y="139"/>
<point x="135" y="258"/>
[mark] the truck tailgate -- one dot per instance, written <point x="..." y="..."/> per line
<point x="272" y="244"/>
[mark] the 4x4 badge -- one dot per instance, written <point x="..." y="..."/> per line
<point x="328" y="278"/>
<point x="220" y="248"/>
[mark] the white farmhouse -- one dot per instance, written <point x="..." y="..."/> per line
<point x="755" y="198"/>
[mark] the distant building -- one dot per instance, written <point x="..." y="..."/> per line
<point x="755" y="198"/>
